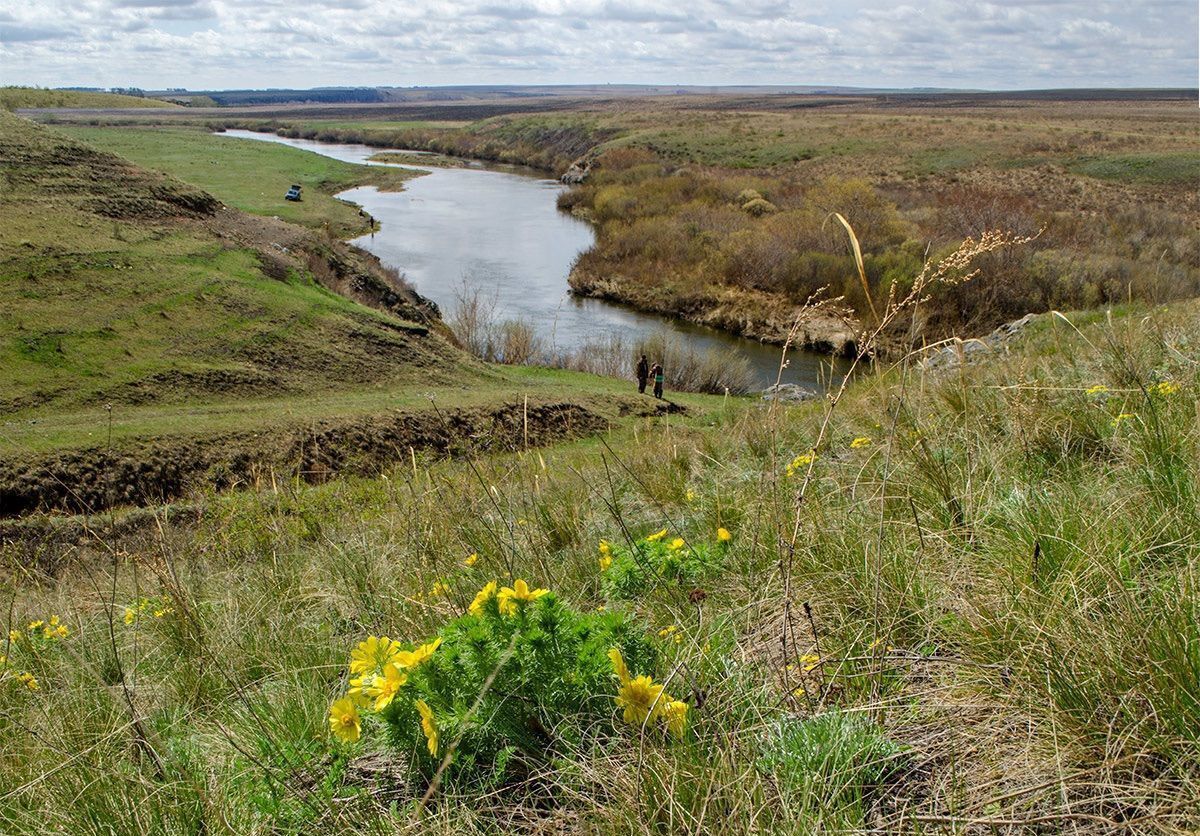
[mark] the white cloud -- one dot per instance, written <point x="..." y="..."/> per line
<point x="304" y="43"/>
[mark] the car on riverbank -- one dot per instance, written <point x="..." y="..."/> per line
<point x="293" y="193"/>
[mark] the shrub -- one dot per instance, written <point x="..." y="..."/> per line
<point x="518" y="680"/>
<point x="628" y="572"/>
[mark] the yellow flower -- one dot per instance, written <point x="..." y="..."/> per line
<point x="130" y="615"/>
<point x="666" y="631"/>
<point x="428" y="725"/>
<point x="439" y="589"/>
<point x="1165" y="388"/>
<point x="344" y="721"/>
<point x="482" y="597"/>
<point x="61" y="631"/>
<point x="723" y="535"/>
<point x="14" y="635"/>
<point x="691" y="496"/>
<point x="861" y="441"/>
<point x="33" y="625"/>
<point x="801" y="461"/>
<point x="385" y="688"/>
<point x="414" y="658"/>
<point x="605" y="548"/>
<point x="1096" y="391"/>
<point x="676" y="544"/>
<point x="372" y="654"/>
<point x="357" y="693"/>
<point x="28" y="680"/>
<point x="809" y="661"/>
<point x="54" y="621"/>
<point x="618" y="663"/>
<point x="605" y="561"/>
<point x="519" y="591"/>
<point x="640" y="699"/>
<point x="656" y="536"/>
<point x="674" y="713"/>
<point x="471" y="560"/>
<point x="1124" y="416"/>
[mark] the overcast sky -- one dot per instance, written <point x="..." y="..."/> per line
<point x="307" y="43"/>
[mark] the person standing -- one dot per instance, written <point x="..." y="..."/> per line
<point x="657" y="371"/>
<point x="643" y="374"/>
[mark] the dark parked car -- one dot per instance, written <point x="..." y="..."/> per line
<point x="293" y="193"/>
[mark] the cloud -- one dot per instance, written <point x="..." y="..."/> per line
<point x="304" y="43"/>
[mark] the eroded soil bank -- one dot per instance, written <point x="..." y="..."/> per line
<point x="168" y="469"/>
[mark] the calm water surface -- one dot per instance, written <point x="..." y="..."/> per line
<point x="497" y="228"/>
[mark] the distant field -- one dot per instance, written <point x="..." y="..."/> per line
<point x="252" y="176"/>
<point x="12" y="98"/>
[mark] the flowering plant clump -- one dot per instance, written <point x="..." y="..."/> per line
<point x="627" y="572"/>
<point x="148" y="607"/>
<point x="520" y="678"/>
<point x="40" y="635"/>
<point x="798" y="466"/>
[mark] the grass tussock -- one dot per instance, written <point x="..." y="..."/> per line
<point x="955" y="602"/>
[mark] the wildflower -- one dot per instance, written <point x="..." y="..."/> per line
<point x="471" y="560"/>
<point x="438" y="590"/>
<point x="28" y="680"/>
<point x="801" y="461"/>
<point x="519" y="591"/>
<point x="1164" y="388"/>
<point x="676" y="544"/>
<point x="14" y="635"/>
<point x="482" y="597"/>
<point x="675" y="715"/>
<point x="33" y="625"/>
<point x="723" y="535"/>
<point x="691" y="496"/>
<point x="809" y="661"/>
<point x="1124" y="416"/>
<point x="385" y="688"/>
<point x="671" y="632"/>
<point x="861" y="441"/>
<point x="344" y="721"/>
<point x="357" y="692"/>
<point x="428" y="725"/>
<point x="130" y="615"/>
<point x="159" y="613"/>
<point x="656" y="536"/>
<point x="1097" y="391"/>
<point x="638" y="696"/>
<point x="373" y="654"/>
<point x="605" y="561"/>
<point x="415" y="658"/>
<point x="605" y="547"/>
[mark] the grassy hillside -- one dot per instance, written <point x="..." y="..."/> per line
<point x="124" y="286"/>
<point x="251" y="176"/>
<point x="12" y="98"/>
<point x="962" y="601"/>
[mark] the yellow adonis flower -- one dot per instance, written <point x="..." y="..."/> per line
<point x="519" y="591"/>
<point x="723" y="535"/>
<point x="605" y="547"/>
<point x="482" y="597"/>
<point x="385" y="687"/>
<point x="33" y="625"/>
<point x="656" y="536"/>
<point x="691" y="496"/>
<point x="428" y="725"/>
<point x="861" y="441"/>
<point x="130" y="615"/>
<point x="344" y="721"/>
<point x="471" y="560"/>
<point x="439" y="589"/>
<point x="1165" y="388"/>
<point x="605" y="561"/>
<point x="674" y="713"/>
<point x="357" y="693"/>
<point x="676" y="544"/>
<point x="373" y="654"/>
<point x="419" y="656"/>
<point x="28" y="680"/>
<point x="638" y="697"/>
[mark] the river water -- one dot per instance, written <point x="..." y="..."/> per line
<point x="498" y="229"/>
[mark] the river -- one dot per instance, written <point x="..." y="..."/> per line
<point x="498" y="229"/>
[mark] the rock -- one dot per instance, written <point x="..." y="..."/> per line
<point x="949" y="356"/>
<point x="789" y="393"/>
<point x="578" y="172"/>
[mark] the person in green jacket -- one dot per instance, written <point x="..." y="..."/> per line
<point x="657" y="372"/>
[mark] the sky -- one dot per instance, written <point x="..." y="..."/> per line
<point x="219" y="44"/>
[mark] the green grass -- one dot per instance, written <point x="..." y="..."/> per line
<point x="250" y="175"/>
<point x="1155" y="169"/>
<point x="12" y="98"/>
<point x="1001" y="629"/>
